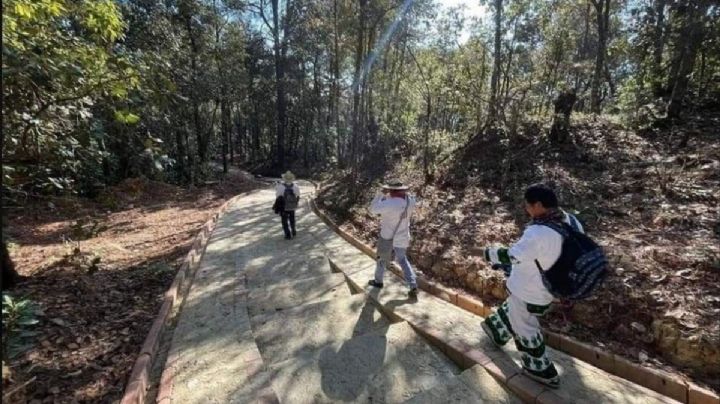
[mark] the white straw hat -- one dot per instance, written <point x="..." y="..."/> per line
<point x="395" y="185"/>
<point x="288" y="176"/>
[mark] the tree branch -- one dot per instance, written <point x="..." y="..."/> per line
<point x="260" y="10"/>
<point x="425" y="81"/>
<point x="59" y="101"/>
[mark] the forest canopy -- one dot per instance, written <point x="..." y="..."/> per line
<point x="98" y="91"/>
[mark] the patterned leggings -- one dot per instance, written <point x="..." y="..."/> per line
<point x="518" y="320"/>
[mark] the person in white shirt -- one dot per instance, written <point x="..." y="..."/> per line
<point x="538" y="249"/>
<point x="395" y="207"/>
<point x="289" y="191"/>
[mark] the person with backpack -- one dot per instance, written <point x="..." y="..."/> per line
<point x="287" y="199"/>
<point x="395" y="210"/>
<point x="553" y="259"/>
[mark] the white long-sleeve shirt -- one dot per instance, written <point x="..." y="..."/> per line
<point x="280" y="189"/>
<point x="390" y="210"/>
<point x="540" y="243"/>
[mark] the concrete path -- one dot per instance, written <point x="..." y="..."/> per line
<point x="268" y="320"/>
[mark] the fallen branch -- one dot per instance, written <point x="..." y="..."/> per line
<point x="14" y="390"/>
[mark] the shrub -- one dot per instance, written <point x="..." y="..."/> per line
<point x="18" y="316"/>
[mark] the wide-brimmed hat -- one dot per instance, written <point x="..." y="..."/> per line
<point x="288" y="176"/>
<point x="395" y="185"/>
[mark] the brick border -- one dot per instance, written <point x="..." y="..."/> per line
<point x="139" y="380"/>
<point x="665" y="383"/>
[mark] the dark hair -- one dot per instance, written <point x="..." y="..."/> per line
<point x="543" y="194"/>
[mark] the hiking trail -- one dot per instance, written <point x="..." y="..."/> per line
<point x="269" y="319"/>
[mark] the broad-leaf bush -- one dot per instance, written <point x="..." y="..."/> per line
<point x="19" y="315"/>
<point x="60" y="58"/>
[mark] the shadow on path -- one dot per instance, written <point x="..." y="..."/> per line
<point x="345" y="374"/>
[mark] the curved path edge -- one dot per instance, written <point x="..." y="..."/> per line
<point x="665" y="383"/>
<point x="139" y="381"/>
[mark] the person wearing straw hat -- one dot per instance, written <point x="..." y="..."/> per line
<point x="395" y="208"/>
<point x="289" y="191"/>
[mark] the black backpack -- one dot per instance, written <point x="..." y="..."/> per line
<point x="291" y="200"/>
<point x="580" y="269"/>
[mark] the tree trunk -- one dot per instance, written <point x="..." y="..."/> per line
<point x="234" y="128"/>
<point x="388" y="105"/>
<point x="583" y="49"/>
<point x="336" y="84"/>
<point x="279" y="87"/>
<point x="426" y="150"/>
<point x="608" y="78"/>
<point x="428" y="117"/>
<point x="190" y="157"/>
<point x="256" y="133"/>
<point x="201" y="149"/>
<point x="554" y="74"/>
<point x="658" y="47"/>
<point x="481" y="87"/>
<point x="401" y="70"/>
<point x="224" y="110"/>
<point x="602" y="11"/>
<point x="224" y="132"/>
<point x="701" y="79"/>
<point x="356" y="112"/>
<point x="384" y="87"/>
<point x="10" y="277"/>
<point x="318" y="125"/>
<point x="493" y="106"/>
<point x="691" y="44"/>
<point x="506" y="76"/>
<point x="181" y="154"/>
<point x="369" y="112"/>
<point x="232" y="147"/>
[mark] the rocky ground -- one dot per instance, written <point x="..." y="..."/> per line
<point x="653" y="206"/>
<point x="97" y="270"/>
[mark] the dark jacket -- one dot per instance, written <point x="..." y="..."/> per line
<point x="279" y="205"/>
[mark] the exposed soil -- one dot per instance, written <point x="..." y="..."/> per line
<point x="95" y="314"/>
<point x="655" y="209"/>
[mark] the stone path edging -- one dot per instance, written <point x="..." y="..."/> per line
<point x="253" y="363"/>
<point x="662" y="382"/>
<point x="139" y="380"/>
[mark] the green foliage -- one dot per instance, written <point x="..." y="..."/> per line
<point x="126" y="117"/>
<point x="59" y="63"/>
<point x="100" y="90"/>
<point x="18" y="315"/>
<point x="641" y="109"/>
